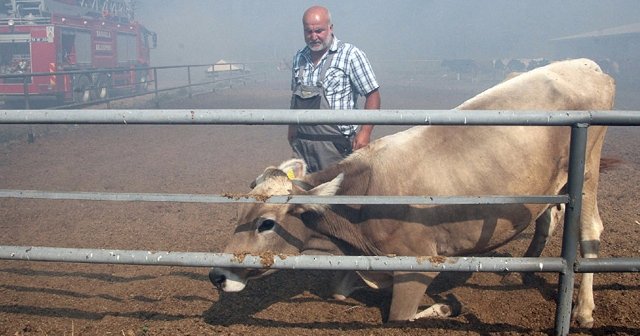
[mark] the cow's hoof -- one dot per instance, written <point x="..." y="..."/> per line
<point x="585" y="322"/>
<point x="339" y="297"/>
<point x="438" y="310"/>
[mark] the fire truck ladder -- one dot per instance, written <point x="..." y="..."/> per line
<point x="118" y="8"/>
<point x="37" y="10"/>
<point x="32" y="10"/>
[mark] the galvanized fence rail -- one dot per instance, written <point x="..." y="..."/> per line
<point x="566" y="265"/>
<point x="155" y="88"/>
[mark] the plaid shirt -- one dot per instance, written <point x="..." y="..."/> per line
<point x="349" y="75"/>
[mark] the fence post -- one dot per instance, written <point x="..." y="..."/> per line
<point x="155" y="85"/>
<point x="570" y="238"/>
<point x="25" y="90"/>
<point x="31" y="138"/>
<point x="189" y="80"/>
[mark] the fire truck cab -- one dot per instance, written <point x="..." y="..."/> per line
<point x="50" y="36"/>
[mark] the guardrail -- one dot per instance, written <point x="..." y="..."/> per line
<point x="566" y="265"/>
<point x="152" y="86"/>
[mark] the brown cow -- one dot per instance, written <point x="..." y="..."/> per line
<point x="439" y="161"/>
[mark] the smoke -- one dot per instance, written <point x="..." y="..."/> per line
<point x="196" y="31"/>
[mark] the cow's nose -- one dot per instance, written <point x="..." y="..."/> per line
<point x="217" y="278"/>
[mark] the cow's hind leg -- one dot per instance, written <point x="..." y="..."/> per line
<point x="590" y="229"/>
<point x="544" y="227"/>
<point x="408" y="291"/>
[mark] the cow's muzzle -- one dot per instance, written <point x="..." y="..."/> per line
<point x="226" y="280"/>
<point x="235" y="280"/>
<point x="217" y="278"/>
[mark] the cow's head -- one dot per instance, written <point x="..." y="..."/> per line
<point x="272" y="228"/>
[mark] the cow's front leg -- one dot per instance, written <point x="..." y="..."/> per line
<point x="408" y="291"/>
<point x="345" y="283"/>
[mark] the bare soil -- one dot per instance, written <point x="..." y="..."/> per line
<point x="38" y="298"/>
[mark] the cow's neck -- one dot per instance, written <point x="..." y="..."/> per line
<point x="340" y="223"/>
<point x="321" y="244"/>
<point x="356" y="176"/>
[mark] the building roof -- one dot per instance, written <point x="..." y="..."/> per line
<point x="629" y="29"/>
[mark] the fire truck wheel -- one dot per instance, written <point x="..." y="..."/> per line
<point x="103" y="88"/>
<point x="142" y="85"/>
<point x="82" y="90"/>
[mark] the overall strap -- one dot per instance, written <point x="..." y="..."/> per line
<point x="327" y="63"/>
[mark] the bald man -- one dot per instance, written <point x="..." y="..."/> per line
<point x="329" y="74"/>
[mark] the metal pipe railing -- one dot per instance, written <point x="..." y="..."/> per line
<point x="291" y="199"/>
<point x="578" y="120"/>
<point x="27" y="78"/>
<point x="287" y="117"/>
<point x="577" y="149"/>
<point x="312" y="262"/>
<point x="308" y="262"/>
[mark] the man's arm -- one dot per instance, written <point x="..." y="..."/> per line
<point x="372" y="102"/>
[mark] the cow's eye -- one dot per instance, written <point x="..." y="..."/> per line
<point x="266" y="225"/>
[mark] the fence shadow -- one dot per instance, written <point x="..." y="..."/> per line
<point x="288" y="286"/>
<point x="106" y="277"/>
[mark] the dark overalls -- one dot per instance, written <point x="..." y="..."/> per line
<point x="318" y="145"/>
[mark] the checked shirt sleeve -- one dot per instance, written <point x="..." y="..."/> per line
<point x="362" y="75"/>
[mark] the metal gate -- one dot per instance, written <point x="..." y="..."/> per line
<point x="567" y="265"/>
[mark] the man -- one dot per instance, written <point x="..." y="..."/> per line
<point x="329" y="74"/>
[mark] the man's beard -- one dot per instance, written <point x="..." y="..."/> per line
<point x="322" y="45"/>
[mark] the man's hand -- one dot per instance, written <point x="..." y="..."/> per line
<point x="363" y="137"/>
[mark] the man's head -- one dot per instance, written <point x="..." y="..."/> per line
<point x="318" y="29"/>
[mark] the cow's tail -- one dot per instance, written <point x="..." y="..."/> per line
<point x="607" y="163"/>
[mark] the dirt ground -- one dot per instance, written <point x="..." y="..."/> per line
<point x="38" y="298"/>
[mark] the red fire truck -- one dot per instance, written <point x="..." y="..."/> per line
<point x="51" y="36"/>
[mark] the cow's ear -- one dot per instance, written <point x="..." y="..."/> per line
<point x="294" y="168"/>
<point x="268" y="172"/>
<point x="325" y="189"/>
<point x="328" y="188"/>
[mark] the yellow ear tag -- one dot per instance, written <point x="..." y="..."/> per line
<point x="290" y="174"/>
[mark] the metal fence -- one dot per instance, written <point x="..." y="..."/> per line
<point x="191" y="78"/>
<point x="567" y="265"/>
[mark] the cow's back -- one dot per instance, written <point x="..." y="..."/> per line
<point x="481" y="160"/>
<point x="442" y="160"/>
<point x="576" y="84"/>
